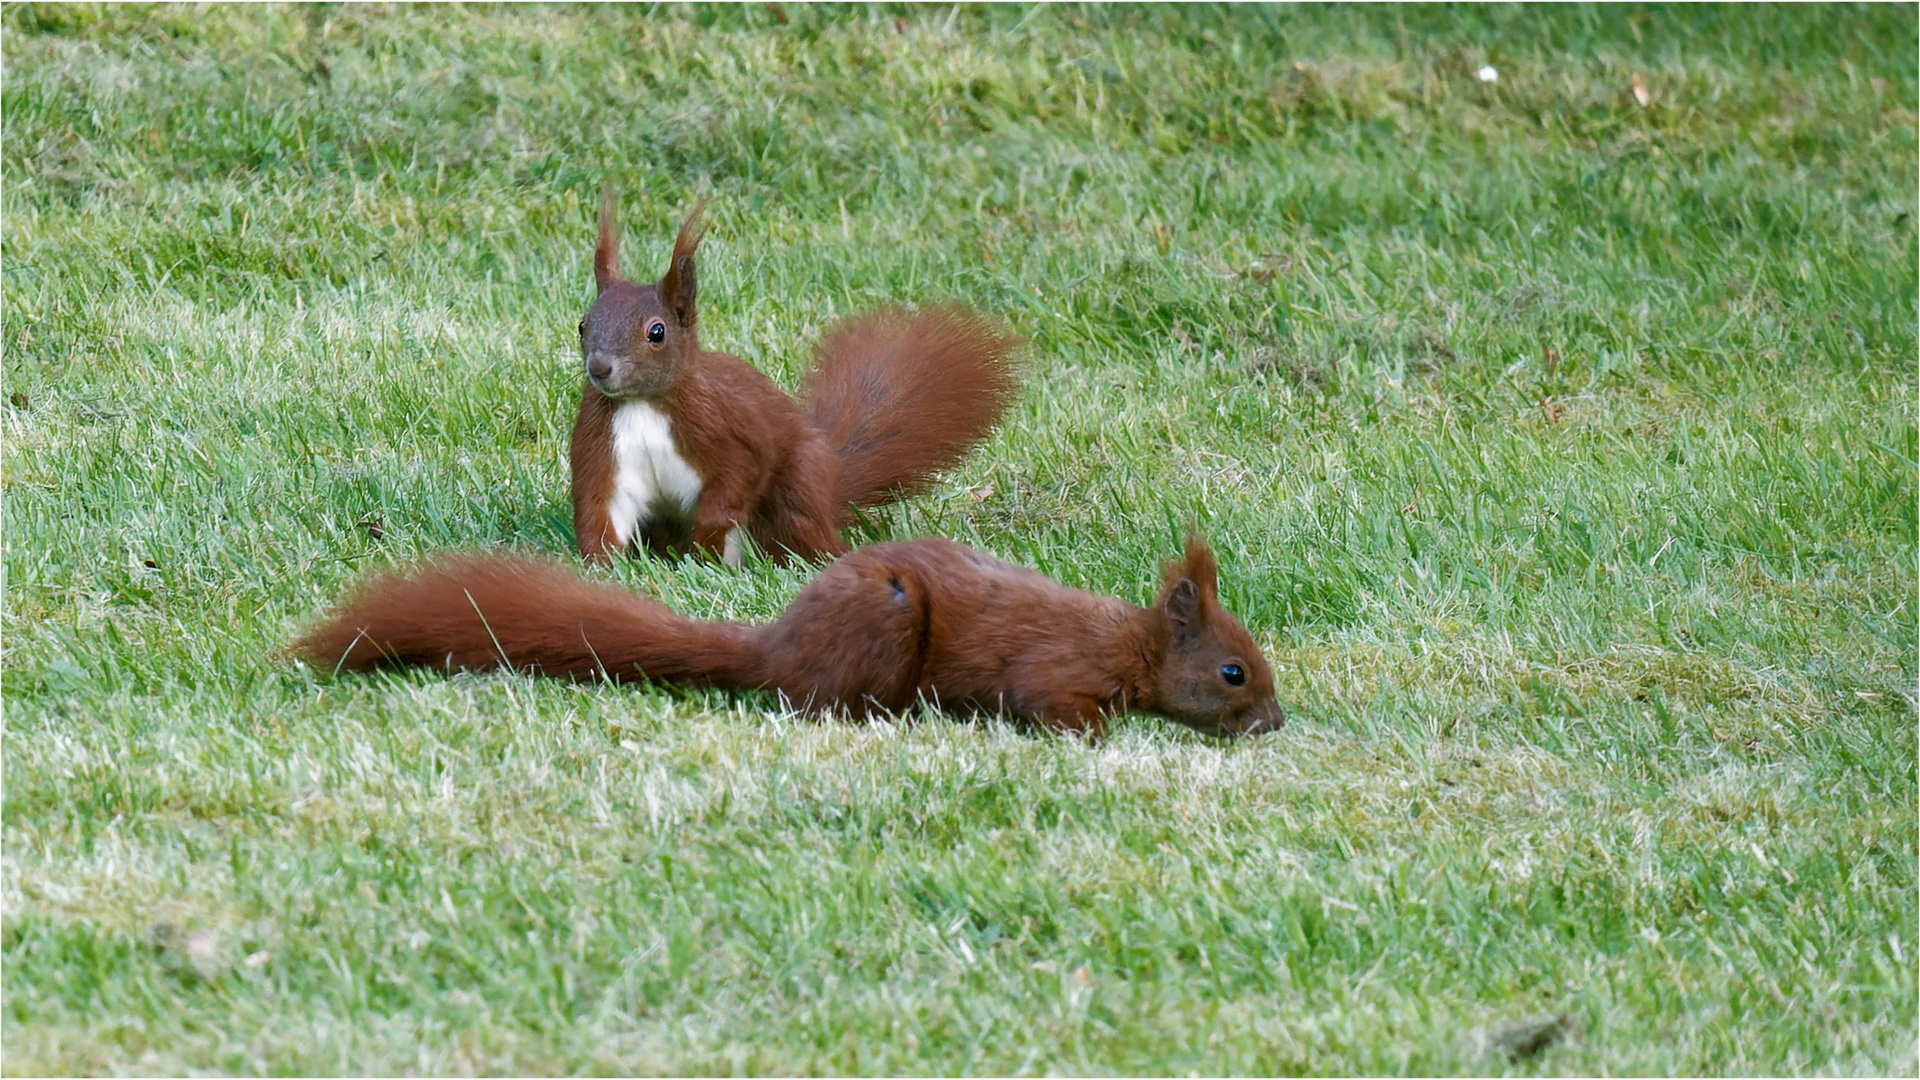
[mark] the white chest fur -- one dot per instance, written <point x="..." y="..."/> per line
<point x="649" y="475"/>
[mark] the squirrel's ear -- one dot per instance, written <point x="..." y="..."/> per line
<point x="679" y="285"/>
<point x="1182" y="603"/>
<point x="606" y="254"/>
<point x="678" y="288"/>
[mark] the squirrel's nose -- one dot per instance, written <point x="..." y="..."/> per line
<point x="599" y="367"/>
<point x="1268" y="716"/>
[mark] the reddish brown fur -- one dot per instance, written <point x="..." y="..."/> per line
<point x="591" y="454"/>
<point x="471" y="611"/>
<point x="947" y="384"/>
<point x="893" y="398"/>
<point x="891" y="624"/>
<point x="606" y="253"/>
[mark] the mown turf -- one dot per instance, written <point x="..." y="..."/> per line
<point x="1560" y="448"/>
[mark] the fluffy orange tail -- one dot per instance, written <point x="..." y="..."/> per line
<point x="479" y="611"/>
<point x="901" y="396"/>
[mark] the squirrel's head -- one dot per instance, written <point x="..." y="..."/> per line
<point x="1212" y="676"/>
<point x="638" y="340"/>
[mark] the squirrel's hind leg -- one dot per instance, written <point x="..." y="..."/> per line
<point x="855" y="639"/>
<point x="799" y="516"/>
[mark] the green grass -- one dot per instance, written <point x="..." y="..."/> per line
<point x="1560" y="450"/>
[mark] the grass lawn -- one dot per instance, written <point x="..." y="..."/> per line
<point x="1556" y="434"/>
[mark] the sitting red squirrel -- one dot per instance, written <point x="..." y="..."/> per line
<point x="888" y="625"/>
<point x="677" y="449"/>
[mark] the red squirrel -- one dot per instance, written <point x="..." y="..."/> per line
<point x="891" y="624"/>
<point x="679" y="449"/>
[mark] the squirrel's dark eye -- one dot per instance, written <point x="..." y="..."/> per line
<point x="657" y="332"/>
<point x="1234" y="674"/>
<point x="583" y="328"/>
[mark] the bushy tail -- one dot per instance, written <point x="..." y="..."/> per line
<point x="480" y="611"/>
<point x="901" y="396"/>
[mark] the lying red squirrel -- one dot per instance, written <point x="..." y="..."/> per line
<point x="679" y="449"/>
<point x="888" y="625"/>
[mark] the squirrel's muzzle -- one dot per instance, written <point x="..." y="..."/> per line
<point x="1265" y="717"/>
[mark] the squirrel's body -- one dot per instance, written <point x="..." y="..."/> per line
<point x="677" y="449"/>
<point x="891" y="624"/>
<point x="722" y="445"/>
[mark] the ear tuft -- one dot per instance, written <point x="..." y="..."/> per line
<point x="1198" y="564"/>
<point x="692" y="231"/>
<point x="679" y="286"/>
<point x="606" y="254"/>
<point x="1195" y="564"/>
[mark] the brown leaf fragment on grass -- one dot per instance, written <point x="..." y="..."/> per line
<point x="1640" y="92"/>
